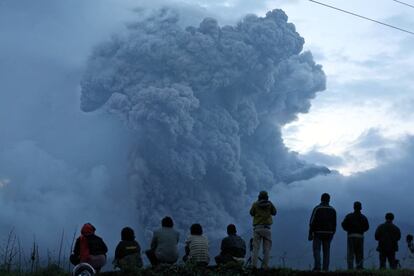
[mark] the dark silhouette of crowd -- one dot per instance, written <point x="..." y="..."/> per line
<point x="91" y="251"/>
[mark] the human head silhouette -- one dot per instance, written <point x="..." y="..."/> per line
<point x="325" y="198"/>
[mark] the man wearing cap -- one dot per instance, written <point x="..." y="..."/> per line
<point x="355" y="224"/>
<point x="262" y="211"/>
<point x="322" y="227"/>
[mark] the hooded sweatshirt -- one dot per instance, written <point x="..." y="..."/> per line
<point x="89" y="244"/>
<point x="262" y="212"/>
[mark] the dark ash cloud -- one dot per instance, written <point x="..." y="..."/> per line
<point x="206" y="104"/>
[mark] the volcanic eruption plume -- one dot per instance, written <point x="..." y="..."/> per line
<point x="206" y="105"/>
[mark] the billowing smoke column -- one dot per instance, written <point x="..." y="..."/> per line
<point x="207" y="104"/>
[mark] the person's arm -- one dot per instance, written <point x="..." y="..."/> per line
<point x="118" y="254"/>
<point x="76" y="250"/>
<point x="378" y="233"/>
<point x="273" y="210"/>
<point x="345" y="223"/>
<point x="187" y="247"/>
<point x="366" y="224"/>
<point x="398" y="233"/>
<point x="411" y="247"/>
<point x="243" y="248"/>
<point x="104" y="247"/>
<point x="334" y="220"/>
<point x="311" y="224"/>
<point x="253" y="210"/>
<point x="223" y="245"/>
<point x="154" y="242"/>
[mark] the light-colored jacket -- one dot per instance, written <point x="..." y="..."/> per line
<point x="164" y="243"/>
<point x="262" y="212"/>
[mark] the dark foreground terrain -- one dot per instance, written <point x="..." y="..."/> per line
<point x="218" y="271"/>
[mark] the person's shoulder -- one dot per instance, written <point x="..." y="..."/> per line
<point x="239" y="238"/>
<point x="396" y="227"/>
<point x="158" y="231"/>
<point x="225" y="239"/>
<point x="382" y="225"/>
<point x="133" y="243"/>
<point x="317" y="207"/>
<point x="96" y="237"/>
<point x="120" y="244"/>
<point x="349" y="215"/>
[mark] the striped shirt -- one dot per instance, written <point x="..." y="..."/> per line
<point x="198" y="246"/>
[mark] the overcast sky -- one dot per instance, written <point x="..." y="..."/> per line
<point x="370" y="91"/>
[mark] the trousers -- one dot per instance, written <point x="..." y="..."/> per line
<point x="262" y="235"/>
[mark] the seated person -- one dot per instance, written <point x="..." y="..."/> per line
<point x="196" y="247"/>
<point x="410" y="243"/>
<point x="164" y="244"/>
<point x="233" y="247"/>
<point x="89" y="248"/>
<point x="128" y="251"/>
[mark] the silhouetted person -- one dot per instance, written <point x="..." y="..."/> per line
<point x="262" y="211"/>
<point x="322" y="227"/>
<point x="196" y="247"/>
<point x="128" y="252"/>
<point x="410" y="243"/>
<point x="233" y="247"/>
<point x="164" y="249"/>
<point x="388" y="235"/>
<point x="89" y="248"/>
<point x="355" y="224"/>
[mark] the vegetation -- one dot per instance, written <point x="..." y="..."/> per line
<point x="14" y="262"/>
<point x="54" y="270"/>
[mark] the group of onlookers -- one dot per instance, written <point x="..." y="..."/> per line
<point x="91" y="249"/>
<point x="322" y="228"/>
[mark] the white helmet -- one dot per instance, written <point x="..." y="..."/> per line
<point x="83" y="269"/>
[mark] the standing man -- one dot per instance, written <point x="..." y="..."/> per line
<point x="388" y="235"/>
<point x="262" y="211"/>
<point x="322" y="227"/>
<point x="355" y="224"/>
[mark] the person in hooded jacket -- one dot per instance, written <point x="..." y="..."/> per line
<point x="128" y="251"/>
<point x="322" y="227"/>
<point x="262" y="211"/>
<point x="388" y="235"/>
<point x="89" y="248"/>
<point x="355" y="224"/>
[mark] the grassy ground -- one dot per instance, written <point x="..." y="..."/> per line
<point x="218" y="271"/>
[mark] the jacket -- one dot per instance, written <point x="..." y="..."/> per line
<point x="96" y="246"/>
<point x="234" y="246"/>
<point x="164" y="243"/>
<point x="323" y="220"/>
<point x="262" y="212"/>
<point x="387" y="235"/>
<point x="355" y="223"/>
<point x="128" y="253"/>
